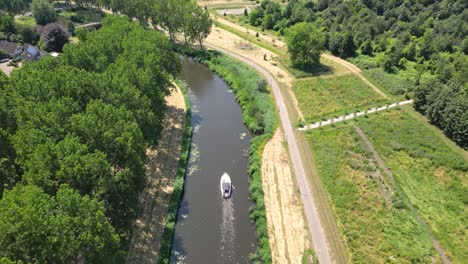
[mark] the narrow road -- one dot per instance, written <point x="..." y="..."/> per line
<point x="313" y="220"/>
<point x="93" y="24"/>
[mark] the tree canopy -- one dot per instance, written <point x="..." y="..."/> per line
<point x="13" y="7"/>
<point x="39" y="228"/>
<point x="305" y="44"/>
<point x="43" y="11"/>
<point x="75" y="129"/>
<point x="54" y="37"/>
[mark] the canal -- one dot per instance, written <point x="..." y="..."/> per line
<point x="211" y="229"/>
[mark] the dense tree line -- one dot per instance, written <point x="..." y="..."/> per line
<point x="13" y="7"/>
<point x="414" y="29"/>
<point x="446" y="106"/>
<point x="177" y="17"/>
<point x="73" y="133"/>
<point x="423" y="36"/>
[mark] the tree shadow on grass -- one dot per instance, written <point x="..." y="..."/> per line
<point x="308" y="71"/>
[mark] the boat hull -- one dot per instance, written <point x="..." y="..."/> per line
<point x="225" y="186"/>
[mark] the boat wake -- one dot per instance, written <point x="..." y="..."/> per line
<point x="228" y="231"/>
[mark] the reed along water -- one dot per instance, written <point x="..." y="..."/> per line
<point x="211" y="229"/>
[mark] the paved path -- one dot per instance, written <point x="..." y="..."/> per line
<point x="354" y="115"/>
<point x="93" y="24"/>
<point x="313" y="220"/>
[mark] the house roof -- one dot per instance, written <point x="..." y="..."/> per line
<point x="32" y="50"/>
<point x="31" y="53"/>
<point x="10" y="48"/>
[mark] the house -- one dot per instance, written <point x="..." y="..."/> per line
<point x="16" y="51"/>
<point x="11" y="49"/>
<point x="32" y="53"/>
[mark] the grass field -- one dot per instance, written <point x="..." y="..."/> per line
<point x="433" y="175"/>
<point x="326" y="97"/>
<point x="397" y="83"/>
<point x="26" y="21"/>
<point x="373" y="218"/>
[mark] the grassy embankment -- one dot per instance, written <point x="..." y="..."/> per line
<point x="171" y="218"/>
<point x="375" y="221"/>
<point x="260" y="117"/>
<point x="322" y="98"/>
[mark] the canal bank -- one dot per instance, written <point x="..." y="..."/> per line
<point x="258" y="114"/>
<point x="210" y="229"/>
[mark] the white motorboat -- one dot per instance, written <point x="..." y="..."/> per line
<point x="225" y="185"/>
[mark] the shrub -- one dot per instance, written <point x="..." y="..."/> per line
<point x="54" y="37"/>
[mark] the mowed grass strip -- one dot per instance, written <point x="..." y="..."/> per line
<point x="432" y="173"/>
<point x="25" y="21"/>
<point x="375" y="225"/>
<point x="320" y="97"/>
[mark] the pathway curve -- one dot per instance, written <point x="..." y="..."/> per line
<point x="353" y="115"/>
<point x="355" y="70"/>
<point x="310" y="208"/>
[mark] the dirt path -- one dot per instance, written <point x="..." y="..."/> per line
<point x="287" y="228"/>
<point x="232" y="42"/>
<point x="353" y="68"/>
<point x="161" y="168"/>
<point x="279" y="43"/>
<point x="389" y="173"/>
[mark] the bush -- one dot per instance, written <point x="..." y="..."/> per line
<point x="81" y="33"/>
<point x="28" y="34"/>
<point x="54" y="37"/>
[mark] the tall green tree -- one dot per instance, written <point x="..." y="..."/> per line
<point x="38" y="228"/>
<point x="43" y="12"/>
<point x="305" y="43"/>
<point x="198" y="25"/>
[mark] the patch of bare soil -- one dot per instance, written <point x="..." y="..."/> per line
<point x="161" y="169"/>
<point x="287" y="228"/>
<point x="8" y="69"/>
